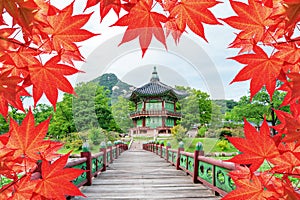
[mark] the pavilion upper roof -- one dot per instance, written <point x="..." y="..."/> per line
<point x="156" y="88"/>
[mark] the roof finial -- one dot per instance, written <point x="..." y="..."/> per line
<point x="154" y="75"/>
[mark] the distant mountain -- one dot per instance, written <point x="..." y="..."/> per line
<point x="116" y="87"/>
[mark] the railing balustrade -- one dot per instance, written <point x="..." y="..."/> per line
<point x="94" y="164"/>
<point x="208" y="171"/>
<point x="155" y="113"/>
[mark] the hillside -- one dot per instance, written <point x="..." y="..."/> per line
<point x="116" y="87"/>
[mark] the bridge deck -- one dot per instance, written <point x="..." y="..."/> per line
<point x="139" y="174"/>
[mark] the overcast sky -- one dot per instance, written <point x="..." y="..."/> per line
<point x="193" y="62"/>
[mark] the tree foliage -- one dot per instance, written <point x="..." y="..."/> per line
<point x="39" y="44"/>
<point x="259" y="108"/>
<point x="121" y="110"/>
<point x="196" y="108"/>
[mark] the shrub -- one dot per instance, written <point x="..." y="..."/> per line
<point x="223" y="132"/>
<point x="73" y="141"/>
<point x="178" y="132"/>
<point x="97" y="135"/>
<point x="112" y="136"/>
<point x="201" y="132"/>
<point x="223" y="145"/>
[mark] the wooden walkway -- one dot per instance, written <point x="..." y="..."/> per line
<point x="138" y="174"/>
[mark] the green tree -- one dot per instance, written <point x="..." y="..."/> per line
<point x="258" y="108"/>
<point x="104" y="111"/>
<point x="42" y="112"/>
<point x="196" y="108"/>
<point x="216" y="116"/>
<point x="4" y="127"/>
<point x="121" y="110"/>
<point x="62" y="122"/>
<point x="91" y="108"/>
<point x="83" y="106"/>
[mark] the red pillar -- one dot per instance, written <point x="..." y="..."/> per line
<point x="88" y="157"/>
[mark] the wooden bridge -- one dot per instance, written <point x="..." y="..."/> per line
<point x="151" y="172"/>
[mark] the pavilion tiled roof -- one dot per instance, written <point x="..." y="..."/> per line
<point x="157" y="88"/>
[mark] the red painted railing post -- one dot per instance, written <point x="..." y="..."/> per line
<point x="161" y="149"/>
<point x="198" y="152"/>
<point x="109" y="145"/>
<point x="167" y="151"/>
<point x="180" y="148"/>
<point x="87" y="154"/>
<point x="103" y="149"/>
<point x="116" y="149"/>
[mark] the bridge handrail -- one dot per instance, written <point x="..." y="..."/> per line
<point x="208" y="171"/>
<point x="92" y="163"/>
<point x="75" y="162"/>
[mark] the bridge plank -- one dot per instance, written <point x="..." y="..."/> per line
<point x="139" y="174"/>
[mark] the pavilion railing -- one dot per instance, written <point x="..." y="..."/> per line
<point x="208" y="171"/>
<point x="155" y="113"/>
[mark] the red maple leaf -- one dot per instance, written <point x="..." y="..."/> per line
<point x="24" y="188"/>
<point x="246" y="45"/>
<point x="255" y="147"/>
<point x="50" y="78"/>
<point x="27" y="139"/>
<point x="65" y="29"/>
<point x="171" y="27"/>
<point x="252" y="19"/>
<point x="22" y="12"/>
<point x="55" y="182"/>
<point x="260" y="69"/>
<point x="286" y="163"/>
<point x="193" y="13"/>
<point x="168" y="5"/>
<point x="291" y="86"/>
<point x="105" y="6"/>
<point x="250" y="189"/>
<point x="289" y="126"/>
<point x="50" y="152"/>
<point x="240" y="173"/>
<point x="143" y="23"/>
<point x="290" y="54"/>
<point x="292" y="15"/>
<point x="7" y="43"/>
<point x="10" y="92"/>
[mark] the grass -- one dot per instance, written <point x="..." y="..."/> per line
<point x="94" y="149"/>
<point x="209" y="145"/>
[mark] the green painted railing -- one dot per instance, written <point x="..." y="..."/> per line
<point x="208" y="171"/>
<point x="95" y="163"/>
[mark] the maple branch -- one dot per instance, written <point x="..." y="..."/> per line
<point x="5" y="187"/>
<point x="18" y="43"/>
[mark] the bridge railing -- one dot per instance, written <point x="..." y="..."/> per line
<point x="95" y="163"/>
<point x="208" y="171"/>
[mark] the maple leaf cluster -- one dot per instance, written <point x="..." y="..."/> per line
<point x="268" y="40"/>
<point x="22" y="149"/>
<point x="38" y="47"/>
